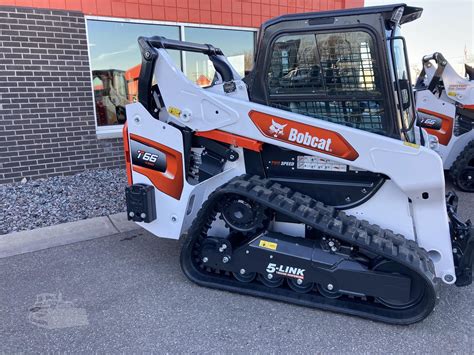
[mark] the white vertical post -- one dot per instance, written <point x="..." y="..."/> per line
<point x="182" y="37"/>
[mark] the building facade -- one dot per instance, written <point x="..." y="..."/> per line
<point x="69" y="67"/>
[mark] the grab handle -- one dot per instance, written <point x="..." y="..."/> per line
<point x="148" y="47"/>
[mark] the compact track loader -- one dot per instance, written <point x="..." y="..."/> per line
<point x="308" y="181"/>
<point x="445" y="105"/>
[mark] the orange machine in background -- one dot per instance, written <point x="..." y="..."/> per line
<point x="131" y="77"/>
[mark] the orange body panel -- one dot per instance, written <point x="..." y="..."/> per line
<point x="445" y="133"/>
<point x="171" y="181"/>
<point x="233" y="139"/>
<point x="303" y="135"/>
<point x="131" y="76"/>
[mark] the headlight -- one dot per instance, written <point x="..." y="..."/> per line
<point x="434" y="143"/>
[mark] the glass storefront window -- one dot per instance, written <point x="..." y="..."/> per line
<point x="237" y="45"/>
<point x="115" y="60"/>
<point x="115" y="64"/>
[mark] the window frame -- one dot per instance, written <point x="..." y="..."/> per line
<point x="392" y="130"/>
<point x="115" y="131"/>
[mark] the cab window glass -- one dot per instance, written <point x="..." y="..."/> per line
<point x="333" y="76"/>
<point x="237" y="45"/>
<point x="401" y="71"/>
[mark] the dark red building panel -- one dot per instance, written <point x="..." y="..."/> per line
<point x="246" y="13"/>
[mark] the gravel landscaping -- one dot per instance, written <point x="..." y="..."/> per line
<point x="60" y="199"/>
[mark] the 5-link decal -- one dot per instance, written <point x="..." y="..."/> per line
<point x="288" y="271"/>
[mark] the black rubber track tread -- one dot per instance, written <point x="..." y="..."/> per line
<point x="460" y="163"/>
<point x="331" y="222"/>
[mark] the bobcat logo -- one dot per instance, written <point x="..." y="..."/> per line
<point x="276" y="129"/>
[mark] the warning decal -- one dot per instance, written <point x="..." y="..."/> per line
<point x="308" y="162"/>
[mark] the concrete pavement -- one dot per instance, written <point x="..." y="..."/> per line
<point x="126" y="293"/>
<point x="63" y="234"/>
<point x="136" y="298"/>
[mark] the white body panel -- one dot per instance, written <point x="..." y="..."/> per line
<point x="395" y="216"/>
<point x="458" y="89"/>
<point x="416" y="172"/>
<point x="426" y="100"/>
<point x="175" y="219"/>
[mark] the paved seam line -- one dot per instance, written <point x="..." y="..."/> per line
<point x="113" y="224"/>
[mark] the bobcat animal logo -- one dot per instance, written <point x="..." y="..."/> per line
<point x="276" y="129"/>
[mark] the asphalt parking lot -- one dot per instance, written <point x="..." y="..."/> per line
<point x="127" y="293"/>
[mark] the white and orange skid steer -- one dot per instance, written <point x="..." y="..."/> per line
<point x="306" y="182"/>
<point x="445" y="105"/>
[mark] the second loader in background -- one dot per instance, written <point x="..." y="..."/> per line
<point x="445" y="105"/>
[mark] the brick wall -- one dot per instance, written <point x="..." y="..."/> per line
<point x="47" y="123"/>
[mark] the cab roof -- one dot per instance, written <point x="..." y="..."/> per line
<point x="409" y="14"/>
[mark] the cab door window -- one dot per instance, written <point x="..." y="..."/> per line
<point x="334" y="77"/>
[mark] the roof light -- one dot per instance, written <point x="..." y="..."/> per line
<point x="397" y="15"/>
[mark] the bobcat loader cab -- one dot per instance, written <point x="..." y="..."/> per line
<point x="307" y="181"/>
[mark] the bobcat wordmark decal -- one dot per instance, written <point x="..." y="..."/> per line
<point x="303" y="135"/>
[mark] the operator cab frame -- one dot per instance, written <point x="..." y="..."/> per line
<point x="375" y="67"/>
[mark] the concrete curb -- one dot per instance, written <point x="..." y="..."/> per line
<point x="62" y="234"/>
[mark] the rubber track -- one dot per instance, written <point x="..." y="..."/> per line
<point x="329" y="221"/>
<point x="461" y="162"/>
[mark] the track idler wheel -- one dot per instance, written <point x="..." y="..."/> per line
<point x="465" y="179"/>
<point x="298" y="285"/>
<point x="328" y="291"/>
<point x="416" y="291"/>
<point x="271" y="280"/>
<point x="244" y="276"/>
